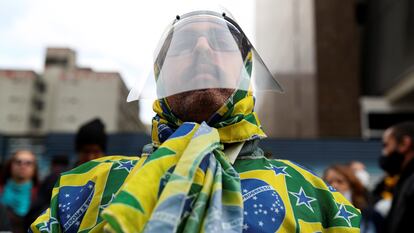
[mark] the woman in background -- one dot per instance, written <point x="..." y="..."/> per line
<point x="18" y="187"/>
<point x="343" y="179"/>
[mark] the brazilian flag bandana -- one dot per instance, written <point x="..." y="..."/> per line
<point x="190" y="184"/>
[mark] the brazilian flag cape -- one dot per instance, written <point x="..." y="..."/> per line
<point x="191" y="182"/>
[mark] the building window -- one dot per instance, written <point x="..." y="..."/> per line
<point x="56" y="61"/>
<point x="38" y="104"/>
<point x="381" y="121"/>
<point x="40" y="86"/>
<point x="35" y="122"/>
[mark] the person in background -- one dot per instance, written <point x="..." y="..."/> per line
<point x="343" y="179"/>
<point x="60" y="164"/>
<point x="398" y="160"/>
<point x="18" y="187"/>
<point x="4" y="223"/>
<point x="360" y="172"/>
<point x="383" y="193"/>
<point x="90" y="141"/>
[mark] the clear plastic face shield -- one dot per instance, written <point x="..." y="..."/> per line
<point x="203" y="50"/>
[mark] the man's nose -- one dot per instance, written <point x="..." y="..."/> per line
<point x="202" y="44"/>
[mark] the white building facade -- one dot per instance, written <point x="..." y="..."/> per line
<point x="63" y="98"/>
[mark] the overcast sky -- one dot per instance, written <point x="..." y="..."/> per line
<point x="107" y="35"/>
<point x="28" y="27"/>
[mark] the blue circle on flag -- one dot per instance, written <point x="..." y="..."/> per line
<point x="264" y="210"/>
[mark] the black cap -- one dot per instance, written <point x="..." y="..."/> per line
<point x="92" y="132"/>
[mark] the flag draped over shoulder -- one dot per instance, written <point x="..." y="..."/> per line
<point x="282" y="196"/>
<point x="81" y="194"/>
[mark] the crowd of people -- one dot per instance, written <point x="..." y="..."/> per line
<point x="387" y="206"/>
<point x="384" y="208"/>
<point x="22" y="196"/>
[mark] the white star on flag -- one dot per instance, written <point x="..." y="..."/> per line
<point x="127" y="165"/>
<point x="344" y="214"/>
<point x="278" y="170"/>
<point x="48" y="225"/>
<point x="303" y="199"/>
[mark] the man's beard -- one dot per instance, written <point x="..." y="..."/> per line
<point x="198" y="105"/>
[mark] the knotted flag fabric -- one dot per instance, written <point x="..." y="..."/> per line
<point x="187" y="185"/>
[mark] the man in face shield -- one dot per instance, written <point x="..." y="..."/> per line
<point x="204" y="170"/>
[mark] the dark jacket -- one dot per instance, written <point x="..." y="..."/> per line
<point x="401" y="215"/>
<point x="42" y="202"/>
<point x="14" y="222"/>
<point x="4" y="219"/>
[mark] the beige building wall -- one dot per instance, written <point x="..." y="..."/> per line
<point x="293" y="113"/>
<point x="16" y="94"/>
<point x="285" y="35"/>
<point x="85" y="97"/>
<point x="312" y="48"/>
<point x="128" y="119"/>
<point x="59" y="62"/>
<point x="64" y="98"/>
<point x="285" y="39"/>
<point x="76" y="95"/>
<point x="91" y="95"/>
